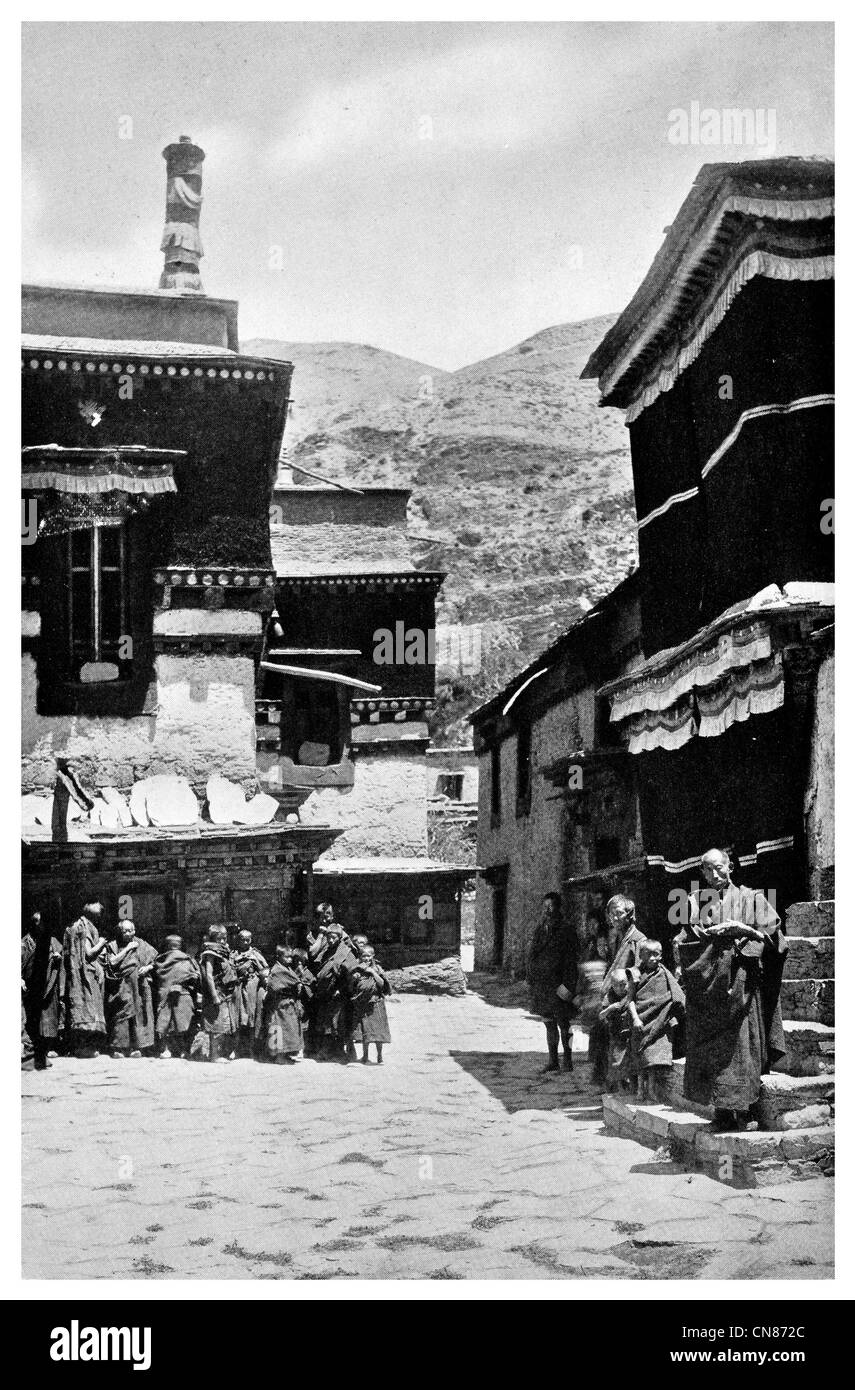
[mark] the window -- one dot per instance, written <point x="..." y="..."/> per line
<point x="450" y="784"/>
<point x="313" y="722"/>
<point x="496" y="780"/>
<point x="99" y="646"/>
<point x="523" y="769"/>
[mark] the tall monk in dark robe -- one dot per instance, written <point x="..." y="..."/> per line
<point x="219" y="983"/>
<point x="731" y="959"/>
<point x="551" y="973"/>
<point x="620" y="919"/>
<point x="279" y="1024"/>
<point x="43" y="977"/>
<point x="177" y="983"/>
<point x="369" y="984"/>
<point x="128" y="965"/>
<point x="655" y="1005"/>
<point x="83" y="948"/>
<point x="251" y="969"/>
<point x="331" y="959"/>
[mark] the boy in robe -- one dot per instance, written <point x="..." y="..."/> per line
<point x="83" y="947"/>
<point x="622" y="930"/>
<point x="655" y="1005"/>
<point x="43" y="977"/>
<point x="369" y="983"/>
<point x="280" y="1013"/>
<point x="731" y="958"/>
<point x="216" y="1038"/>
<point x="128" y="965"/>
<point x="177" y="983"/>
<point x="251" y="969"/>
<point x="331" y="963"/>
<point x="614" y="1018"/>
<point x="300" y="963"/>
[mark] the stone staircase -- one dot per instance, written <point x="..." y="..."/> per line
<point x="797" y="1099"/>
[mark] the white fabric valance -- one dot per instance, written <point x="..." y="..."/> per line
<point x="757" y="263"/>
<point x="662" y="688"/>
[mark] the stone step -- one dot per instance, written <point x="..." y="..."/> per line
<point x="810" y="919"/>
<point x="746" y="1160"/>
<point x="810" y="1049"/>
<point x="809" y="957"/>
<point x="809" y="1000"/>
<point x="787" y="1102"/>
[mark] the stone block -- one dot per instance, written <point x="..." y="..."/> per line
<point x="810" y="919"/>
<point x="433" y="977"/>
<point x="810" y="1000"/>
<point x="810" y="957"/>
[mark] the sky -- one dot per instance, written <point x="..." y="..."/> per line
<point x="442" y="191"/>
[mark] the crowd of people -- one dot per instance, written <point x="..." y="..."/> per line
<point x="93" y="993"/>
<point x="719" y="1007"/>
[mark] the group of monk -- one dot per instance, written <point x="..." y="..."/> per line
<point x="92" y="993"/>
<point x="719" y="1007"/>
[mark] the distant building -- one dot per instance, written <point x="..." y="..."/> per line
<point x="558" y="808"/>
<point x="150" y="451"/>
<point x="347" y="690"/>
<point x="693" y="706"/>
<point x="723" y="361"/>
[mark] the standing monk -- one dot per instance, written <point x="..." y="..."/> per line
<point x="331" y="962"/>
<point x="42" y="975"/>
<point x="219" y="983"/>
<point x="280" y="1013"/>
<point x="251" y="970"/>
<point x="128" y="964"/>
<point x="731" y="958"/>
<point x="551" y="977"/>
<point x="620" y="920"/>
<point x="176" y="983"/>
<point x="83" y="947"/>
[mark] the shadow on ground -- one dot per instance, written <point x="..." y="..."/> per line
<point x="516" y="1079"/>
<point x="500" y="991"/>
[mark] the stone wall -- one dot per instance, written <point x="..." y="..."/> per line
<point x="383" y="813"/>
<point x="203" y="722"/>
<point x="819" y="793"/>
<point x="532" y="845"/>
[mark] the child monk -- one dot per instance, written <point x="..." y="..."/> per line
<point x="281" y="1016"/>
<point x="615" y="1020"/>
<point x="368" y="984"/>
<point x="655" y="1005"/>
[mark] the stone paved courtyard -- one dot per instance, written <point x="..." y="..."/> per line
<point x="454" y="1160"/>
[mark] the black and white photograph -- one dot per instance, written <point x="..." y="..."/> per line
<point x="427" y="656"/>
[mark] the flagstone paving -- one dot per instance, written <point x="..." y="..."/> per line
<point x="454" y="1160"/>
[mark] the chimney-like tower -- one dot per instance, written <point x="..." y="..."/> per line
<point x="181" y="244"/>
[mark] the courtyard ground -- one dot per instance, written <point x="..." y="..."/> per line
<point x="454" y="1160"/>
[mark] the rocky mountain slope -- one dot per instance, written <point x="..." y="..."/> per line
<point x="522" y="487"/>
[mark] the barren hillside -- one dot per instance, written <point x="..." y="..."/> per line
<point x="522" y="488"/>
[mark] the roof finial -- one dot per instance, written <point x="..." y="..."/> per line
<point x="181" y="243"/>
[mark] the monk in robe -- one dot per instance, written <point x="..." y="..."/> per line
<point x="731" y="959"/>
<point x="369" y="984"/>
<point x="551" y="974"/>
<point x="83" y="948"/>
<point x="128" y="965"/>
<point x="42" y="974"/>
<point x="331" y="964"/>
<point x="300" y="963"/>
<point x="177" y="982"/>
<point x="279" y="1024"/>
<point x="620" y="920"/>
<point x="655" y="1005"/>
<point x="613" y="1016"/>
<point x="216" y="1037"/>
<point x="251" y="969"/>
